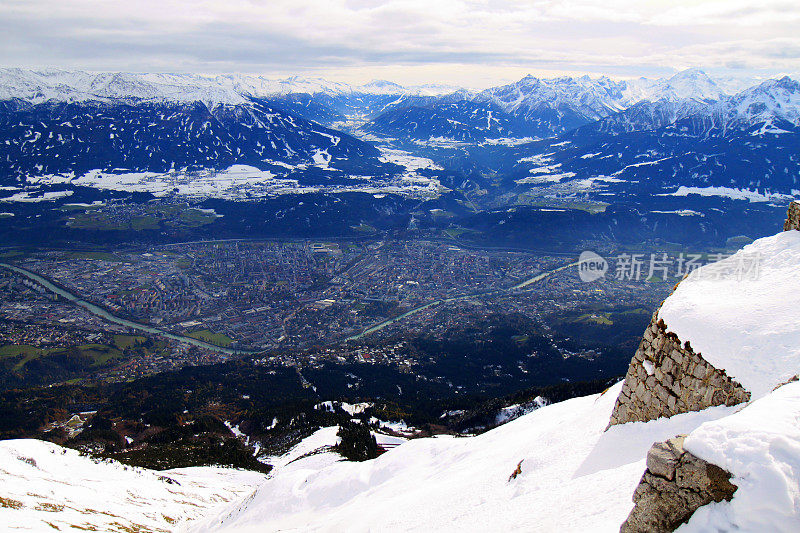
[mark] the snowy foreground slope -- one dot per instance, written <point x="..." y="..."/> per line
<point x="574" y="477"/>
<point x="44" y="487"/>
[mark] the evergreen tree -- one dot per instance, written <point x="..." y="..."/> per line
<point x="357" y="443"/>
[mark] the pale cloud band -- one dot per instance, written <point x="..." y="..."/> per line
<point x="472" y="43"/>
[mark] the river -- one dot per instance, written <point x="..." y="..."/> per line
<point x="105" y="315"/>
<point x="381" y="325"/>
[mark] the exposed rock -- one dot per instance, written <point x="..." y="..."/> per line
<point x="675" y="484"/>
<point x="793" y="217"/>
<point x="666" y="377"/>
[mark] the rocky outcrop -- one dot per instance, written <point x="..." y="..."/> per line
<point x="793" y="217"/>
<point x="675" y="484"/>
<point x="666" y="378"/>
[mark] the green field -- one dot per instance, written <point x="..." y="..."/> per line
<point x="126" y="341"/>
<point x="28" y="353"/>
<point x="99" y="353"/>
<point x="147" y="217"/>
<point x="76" y="207"/>
<point x="364" y="228"/>
<point x="455" y="232"/>
<point x="217" y="339"/>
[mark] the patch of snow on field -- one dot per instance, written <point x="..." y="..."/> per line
<point x="243" y="182"/>
<point x="349" y="408"/>
<point x="681" y="212"/>
<point x="235" y="182"/>
<point x="545" y="178"/>
<point x="508" y="141"/>
<point x="29" y="197"/>
<point x="407" y="159"/>
<point x="729" y="192"/>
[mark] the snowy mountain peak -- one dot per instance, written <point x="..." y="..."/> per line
<point x="694" y="84"/>
<point x="382" y="87"/>
<point x="768" y="107"/>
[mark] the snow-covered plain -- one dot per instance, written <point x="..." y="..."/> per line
<point x="239" y="182"/>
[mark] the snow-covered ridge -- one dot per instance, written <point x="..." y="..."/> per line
<point x="232" y="89"/>
<point x="770" y="103"/>
<point x="597" y="96"/>
<point x="741" y="313"/>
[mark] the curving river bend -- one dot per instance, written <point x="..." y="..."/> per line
<point x="105" y="315"/>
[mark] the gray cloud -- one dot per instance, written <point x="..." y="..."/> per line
<point x="464" y="41"/>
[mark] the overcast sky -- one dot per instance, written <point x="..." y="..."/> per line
<point x="472" y="43"/>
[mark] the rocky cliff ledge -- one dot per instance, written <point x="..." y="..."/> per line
<point x="675" y="484"/>
<point x="793" y="218"/>
<point x="666" y="377"/>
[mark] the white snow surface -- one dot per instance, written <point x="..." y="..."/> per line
<point x="237" y="182"/>
<point x="729" y="192"/>
<point x="574" y="477"/>
<point x="57" y="488"/>
<point x="31" y="197"/>
<point x="60" y="85"/>
<point x="760" y="446"/>
<point x="747" y="327"/>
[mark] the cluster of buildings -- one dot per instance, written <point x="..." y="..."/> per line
<point x="298" y="297"/>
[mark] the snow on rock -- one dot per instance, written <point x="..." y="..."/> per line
<point x="760" y="446"/>
<point x="740" y="313"/>
<point x="349" y="408"/>
<point x="312" y="446"/>
<point x="515" y="411"/>
<point x="573" y="477"/>
<point x="45" y="487"/>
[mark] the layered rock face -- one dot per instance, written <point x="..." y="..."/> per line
<point x="793" y="218"/>
<point x="675" y="484"/>
<point x="666" y="378"/>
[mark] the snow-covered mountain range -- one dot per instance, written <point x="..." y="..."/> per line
<point x="77" y="86"/>
<point x="318" y="132"/>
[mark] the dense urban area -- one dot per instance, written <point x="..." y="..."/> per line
<point x="294" y="303"/>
